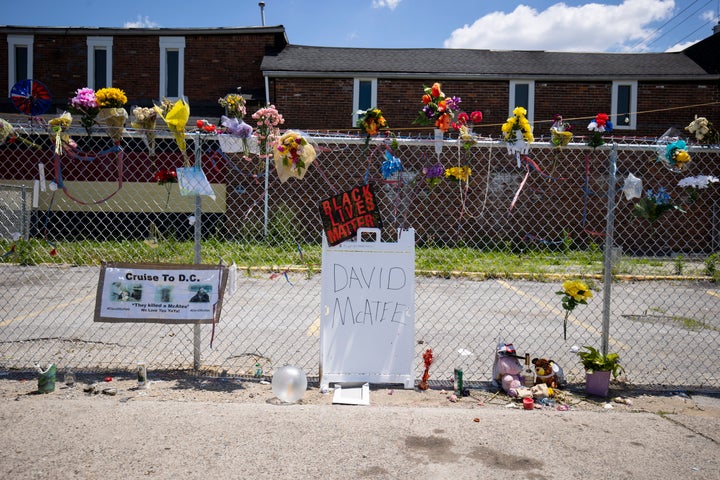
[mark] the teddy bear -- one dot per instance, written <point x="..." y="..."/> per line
<point x="545" y="373"/>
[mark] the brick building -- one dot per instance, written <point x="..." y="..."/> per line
<point x="336" y="82"/>
<point x="201" y="64"/>
<point x="321" y="87"/>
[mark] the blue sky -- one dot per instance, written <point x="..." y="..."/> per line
<point x="612" y="26"/>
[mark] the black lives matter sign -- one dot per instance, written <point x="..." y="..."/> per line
<point x="343" y="214"/>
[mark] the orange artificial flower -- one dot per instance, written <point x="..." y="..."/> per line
<point x="436" y="92"/>
<point x="426" y="99"/>
<point x="443" y="122"/>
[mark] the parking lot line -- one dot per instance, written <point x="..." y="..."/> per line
<point x="46" y="310"/>
<point x="557" y="311"/>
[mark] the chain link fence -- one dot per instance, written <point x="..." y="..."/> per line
<point x="491" y="252"/>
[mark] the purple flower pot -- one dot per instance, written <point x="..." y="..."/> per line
<point x="597" y="383"/>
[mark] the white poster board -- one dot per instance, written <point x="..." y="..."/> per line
<point x="160" y="293"/>
<point x="367" y="318"/>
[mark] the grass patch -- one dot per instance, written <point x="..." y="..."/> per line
<point x="540" y="265"/>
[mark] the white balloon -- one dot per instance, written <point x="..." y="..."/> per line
<point x="289" y="383"/>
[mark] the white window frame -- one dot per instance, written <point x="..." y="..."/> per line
<point x="99" y="43"/>
<point x="172" y="43"/>
<point x="618" y="123"/>
<point x="19" y="41"/>
<point x="531" y="98"/>
<point x="356" y="96"/>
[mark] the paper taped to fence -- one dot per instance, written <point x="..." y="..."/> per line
<point x="367" y="318"/>
<point x="160" y="293"/>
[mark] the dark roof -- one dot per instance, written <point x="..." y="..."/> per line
<point x="706" y="52"/>
<point x="298" y="60"/>
<point x="39" y="30"/>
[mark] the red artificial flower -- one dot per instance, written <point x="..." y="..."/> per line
<point x="476" y="117"/>
<point x="462" y="118"/>
<point x="601" y="119"/>
<point x="163" y="176"/>
<point x="435" y="90"/>
<point x="200" y="123"/>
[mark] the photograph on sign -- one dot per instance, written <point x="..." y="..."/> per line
<point x="343" y="214"/>
<point x="160" y="293"/>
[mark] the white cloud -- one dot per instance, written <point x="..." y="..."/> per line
<point x="709" y="16"/>
<point x="391" y="4"/>
<point x="678" y="47"/>
<point x="592" y="27"/>
<point x="142" y="22"/>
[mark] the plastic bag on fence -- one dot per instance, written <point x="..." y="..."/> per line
<point x="192" y="181"/>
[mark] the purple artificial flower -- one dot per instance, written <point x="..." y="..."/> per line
<point x="453" y="103"/>
<point x="434" y="171"/>
<point x="429" y="112"/>
<point x="236" y="126"/>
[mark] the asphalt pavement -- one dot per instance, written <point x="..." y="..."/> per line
<point x="113" y="439"/>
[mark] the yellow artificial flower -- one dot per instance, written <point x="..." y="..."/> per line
<point x="110" y="97"/>
<point x="578" y="290"/>
<point x="519" y="112"/>
<point x="460" y="174"/>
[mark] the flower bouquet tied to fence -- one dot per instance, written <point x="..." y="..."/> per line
<point x="676" y="155"/>
<point x="704" y="131"/>
<point x="268" y="128"/>
<point x="293" y="155"/>
<point x="464" y="125"/>
<point x="574" y="293"/>
<point x="111" y="102"/>
<point x="518" y="133"/>
<point x="599" y="125"/>
<point x="166" y="177"/>
<point x="145" y="120"/>
<point x="176" y="115"/>
<point x="8" y="132"/>
<point x="560" y="131"/>
<point x="370" y="121"/>
<point x="654" y="204"/>
<point x="234" y="105"/>
<point x="438" y="109"/>
<point x="58" y="128"/>
<point x="693" y="185"/>
<point x="433" y="174"/>
<point x="85" y="104"/>
<point x="458" y="174"/>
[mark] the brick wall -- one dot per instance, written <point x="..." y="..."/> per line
<point x="330" y="102"/>
<point x="214" y="66"/>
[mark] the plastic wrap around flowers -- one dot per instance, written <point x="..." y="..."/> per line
<point x="111" y="102"/>
<point x="601" y="124"/>
<point x="704" y="131"/>
<point x="676" y="155"/>
<point x="293" y="155"/>
<point x="560" y="131"/>
<point x="654" y="204"/>
<point x="517" y="133"/>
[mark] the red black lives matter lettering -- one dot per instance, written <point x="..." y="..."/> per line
<point x="343" y="214"/>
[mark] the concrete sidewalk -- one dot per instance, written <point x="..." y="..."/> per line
<point x="115" y="438"/>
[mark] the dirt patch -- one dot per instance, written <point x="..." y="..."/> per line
<point x="182" y="387"/>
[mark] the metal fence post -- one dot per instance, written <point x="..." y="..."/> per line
<point x="197" y="236"/>
<point x="608" y="254"/>
<point x="267" y="174"/>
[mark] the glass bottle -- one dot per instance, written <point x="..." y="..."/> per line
<point x="528" y="373"/>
